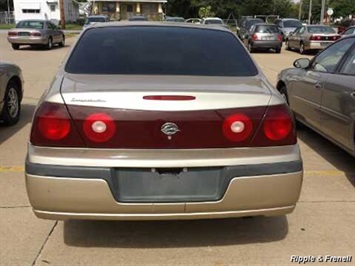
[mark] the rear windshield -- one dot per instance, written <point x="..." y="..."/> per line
<point x="213" y="21"/>
<point x="95" y="19"/>
<point x="292" y="23"/>
<point x="154" y="50"/>
<point x="250" y="23"/>
<point x="320" y="29"/>
<point x="30" y="24"/>
<point x="266" y="29"/>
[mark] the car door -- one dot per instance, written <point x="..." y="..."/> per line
<point x="57" y="36"/>
<point x="293" y="37"/>
<point x="338" y="99"/>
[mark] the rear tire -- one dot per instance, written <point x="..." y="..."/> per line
<point x="302" y="49"/>
<point x="10" y="113"/>
<point x="49" y="44"/>
<point x="15" y="46"/>
<point x="62" y="43"/>
<point x="283" y="92"/>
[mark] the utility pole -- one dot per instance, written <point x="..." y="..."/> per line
<point x="62" y="15"/>
<point x="300" y="11"/>
<point x="310" y="12"/>
<point x="322" y="12"/>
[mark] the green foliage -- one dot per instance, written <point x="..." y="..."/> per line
<point x="204" y="12"/>
<point x="342" y="8"/>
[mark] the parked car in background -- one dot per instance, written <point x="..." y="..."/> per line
<point x="36" y="33"/>
<point x="193" y="20"/>
<point x="214" y="21"/>
<point x="348" y="31"/>
<point x="11" y="92"/>
<point x="245" y="26"/>
<point x="311" y="37"/>
<point x="94" y="19"/>
<point x="121" y="135"/>
<point x="138" y="18"/>
<point x="287" y="25"/>
<point x="321" y="92"/>
<point x="263" y="36"/>
<point x="175" y="19"/>
<point x="344" y="24"/>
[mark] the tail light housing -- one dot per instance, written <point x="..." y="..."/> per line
<point x="336" y="37"/>
<point x="315" y="38"/>
<point x="237" y="127"/>
<point x="12" y="33"/>
<point x="52" y="126"/>
<point x="279" y="38"/>
<point x="99" y="127"/>
<point x="35" y="34"/>
<point x="254" y="37"/>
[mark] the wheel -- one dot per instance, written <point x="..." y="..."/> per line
<point x="278" y="50"/>
<point x="250" y="48"/>
<point x="15" y="46"/>
<point x="302" y="50"/>
<point x="49" y="44"/>
<point x="62" y="43"/>
<point x="12" y="107"/>
<point x="283" y="92"/>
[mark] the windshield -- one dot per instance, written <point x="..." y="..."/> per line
<point x="320" y="29"/>
<point x="292" y="23"/>
<point x="157" y="50"/>
<point x="30" y="24"/>
<point x="250" y="23"/>
<point x="95" y="19"/>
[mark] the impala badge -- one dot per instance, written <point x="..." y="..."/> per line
<point x="169" y="128"/>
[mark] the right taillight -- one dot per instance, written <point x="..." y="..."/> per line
<point x="99" y="127"/>
<point x="254" y="37"/>
<point x="52" y="126"/>
<point x="277" y="128"/>
<point x="237" y="127"/>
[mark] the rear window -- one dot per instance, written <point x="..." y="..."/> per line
<point x="30" y="25"/>
<point x="292" y="23"/>
<point x="95" y="19"/>
<point x="266" y="29"/>
<point x="320" y="29"/>
<point x="250" y="23"/>
<point x="213" y="21"/>
<point x="154" y="50"/>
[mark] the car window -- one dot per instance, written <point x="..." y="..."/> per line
<point x="30" y="24"/>
<point x="320" y="29"/>
<point x="349" y="31"/>
<point x="296" y="31"/>
<point x="348" y="67"/>
<point x="302" y="29"/>
<point x="250" y="23"/>
<point x="95" y="19"/>
<point x="266" y="29"/>
<point x="213" y="21"/>
<point x="292" y="23"/>
<point x="149" y="50"/>
<point x="327" y="60"/>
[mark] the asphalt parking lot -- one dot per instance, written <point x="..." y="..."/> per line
<point x="322" y="224"/>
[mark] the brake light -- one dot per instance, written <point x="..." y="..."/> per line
<point x="336" y="37"/>
<point x="315" y="38"/>
<point x="254" y="37"/>
<point x="99" y="127"/>
<point x="35" y="34"/>
<point x="169" y="97"/>
<point x="280" y="38"/>
<point x="52" y="126"/>
<point x="12" y="33"/>
<point x="237" y="127"/>
<point x="277" y="128"/>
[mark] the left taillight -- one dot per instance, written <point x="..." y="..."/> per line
<point x="52" y="126"/>
<point x="12" y="33"/>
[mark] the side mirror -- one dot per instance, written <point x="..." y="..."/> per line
<point x="302" y="63"/>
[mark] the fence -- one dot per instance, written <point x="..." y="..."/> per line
<point x="7" y="17"/>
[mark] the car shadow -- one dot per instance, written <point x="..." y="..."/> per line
<point x="26" y="117"/>
<point x="167" y="234"/>
<point x="40" y="48"/>
<point x="340" y="159"/>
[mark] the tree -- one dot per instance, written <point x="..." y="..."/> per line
<point x="342" y="8"/>
<point x="204" y="12"/>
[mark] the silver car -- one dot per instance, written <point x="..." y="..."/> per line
<point x="311" y="37"/>
<point x="11" y="92"/>
<point x="287" y="25"/>
<point x="36" y="33"/>
<point x="321" y="92"/>
<point x="180" y="125"/>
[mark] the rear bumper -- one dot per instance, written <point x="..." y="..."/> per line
<point x="74" y="196"/>
<point x="266" y="44"/>
<point x="28" y="40"/>
<point x="318" y="45"/>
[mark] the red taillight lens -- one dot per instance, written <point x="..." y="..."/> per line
<point x="254" y="37"/>
<point x="11" y="33"/>
<point x="99" y="127"/>
<point x="277" y="128"/>
<point x="279" y="37"/>
<point x="35" y="34"/>
<point x="336" y="37"/>
<point x="315" y="38"/>
<point x="52" y="126"/>
<point x="237" y="127"/>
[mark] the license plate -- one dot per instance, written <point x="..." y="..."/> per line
<point x="324" y="44"/>
<point x="267" y="38"/>
<point x="23" y="34"/>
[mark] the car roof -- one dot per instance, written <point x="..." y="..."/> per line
<point x="39" y="20"/>
<point x="155" y="24"/>
<point x="289" y="19"/>
<point x="264" y="24"/>
<point x="98" y="16"/>
<point x="212" y="18"/>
